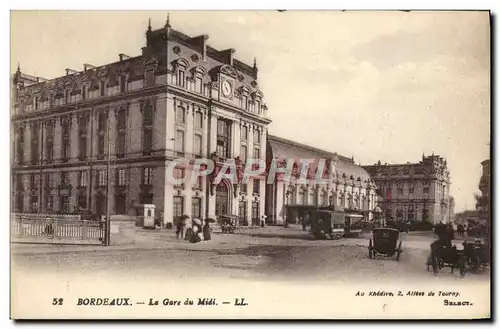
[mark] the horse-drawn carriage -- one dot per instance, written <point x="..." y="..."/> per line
<point x="385" y="242"/>
<point x="447" y="256"/>
<point x="477" y="255"/>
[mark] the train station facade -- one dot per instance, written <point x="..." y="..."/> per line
<point x="127" y="120"/>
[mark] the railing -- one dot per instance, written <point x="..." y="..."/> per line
<point x="39" y="228"/>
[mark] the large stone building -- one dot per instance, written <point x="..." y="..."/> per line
<point x="414" y="191"/>
<point x="348" y="187"/>
<point x="179" y="98"/>
<point x="483" y="200"/>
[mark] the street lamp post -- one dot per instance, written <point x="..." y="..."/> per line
<point x="377" y="211"/>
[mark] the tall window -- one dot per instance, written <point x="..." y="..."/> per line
<point x="83" y="178"/>
<point x="256" y="136"/>
<point x="49" y="203"/>
<point x="147" y="129"/>
<point x="100" y="147"/>
<point x="255" y="213"/>
<point x="223" y="138"/>
<point x="64" y="178"/>
<point x="256" y="186"/>
<point x="179" y="142"/>
<point x="178" y="206"/>
<point x="35" y="134"/>
<point x="256" y="153"/>
<point x="244" y="133"/>
<point x="180" y="116"/>
<point x="242" y="213"/>
<point x="243" y="188"/>
<point x="64" y="204"/>
<point x="147" y="176"/>
<point x="82" y="142"/>
<point x="179" y="173"/>
<point x="120" y="204"/>
<point x="196" y="207"/>
<point x="20" y="145"/>
<point x="120" y="177"/>
<point x="101" y="178"/>
<point x="82" y="200"/>
<point x="147" y="145"/>
<point x="121" y="128"/>
<point x="198" y="120"/>
<point x="199" y="183"/>
<point x="314" y="196"/>
<point x="199" y="85"/>
<point x="243" y="153"/>
<point x="34" y="203"/>
<point x="426" y="189"/>
<point x="198" y="145"/>
<point x="101" y="134"/>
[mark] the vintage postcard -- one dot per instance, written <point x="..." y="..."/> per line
<point x="250" y="164"/>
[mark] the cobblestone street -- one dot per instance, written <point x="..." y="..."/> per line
<point x="257" y="254"/>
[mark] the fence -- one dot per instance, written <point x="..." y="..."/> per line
<point x="65" y="229"/>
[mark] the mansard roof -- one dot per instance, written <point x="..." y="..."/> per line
<point x="284" y="149"/>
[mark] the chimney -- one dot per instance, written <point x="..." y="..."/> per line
<point x="87" y="66"/>
<point x="255" y="69"/>
<point x="123" y="57"/>
<point x="200" y="42"/>
<point x="70" y="71"/>
<point x="228" y="55"/>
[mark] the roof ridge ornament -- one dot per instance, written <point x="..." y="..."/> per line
<point x="167" y="23"/>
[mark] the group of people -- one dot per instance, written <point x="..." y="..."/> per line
<point x="192" y="229"/>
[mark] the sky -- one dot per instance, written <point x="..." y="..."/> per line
<point x="386" y="86"/>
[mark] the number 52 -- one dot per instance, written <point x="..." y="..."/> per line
<point x="57" y="301"/>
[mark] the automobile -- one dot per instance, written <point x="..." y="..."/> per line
<point x="327" y="224"/>
<point x="385" y="242"/>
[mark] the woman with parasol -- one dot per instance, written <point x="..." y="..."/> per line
<point x="207" y="231"/>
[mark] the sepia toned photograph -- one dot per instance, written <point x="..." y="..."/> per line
<point x="274" y="164"/>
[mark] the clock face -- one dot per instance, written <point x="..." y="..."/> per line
<point x="226" y="88"/>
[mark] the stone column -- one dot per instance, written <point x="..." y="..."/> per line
<point x="278" y="202"/>
<point x="57" y="140"/>
<point x="213" y="134"/>
<point x="73" y="181"/>
<point x="236" y="139"/>
<point x="134" y="134"/>
<point x="168" y="201"/>
<point x="112" y="117"/>
<point x="170" y="126"/>
<point x="250" y="145"/>
<point x="204" y="149"/>
<point x="74" y="141"/>
<point x="189" y="132"/>
<point x="27" y="142"/>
